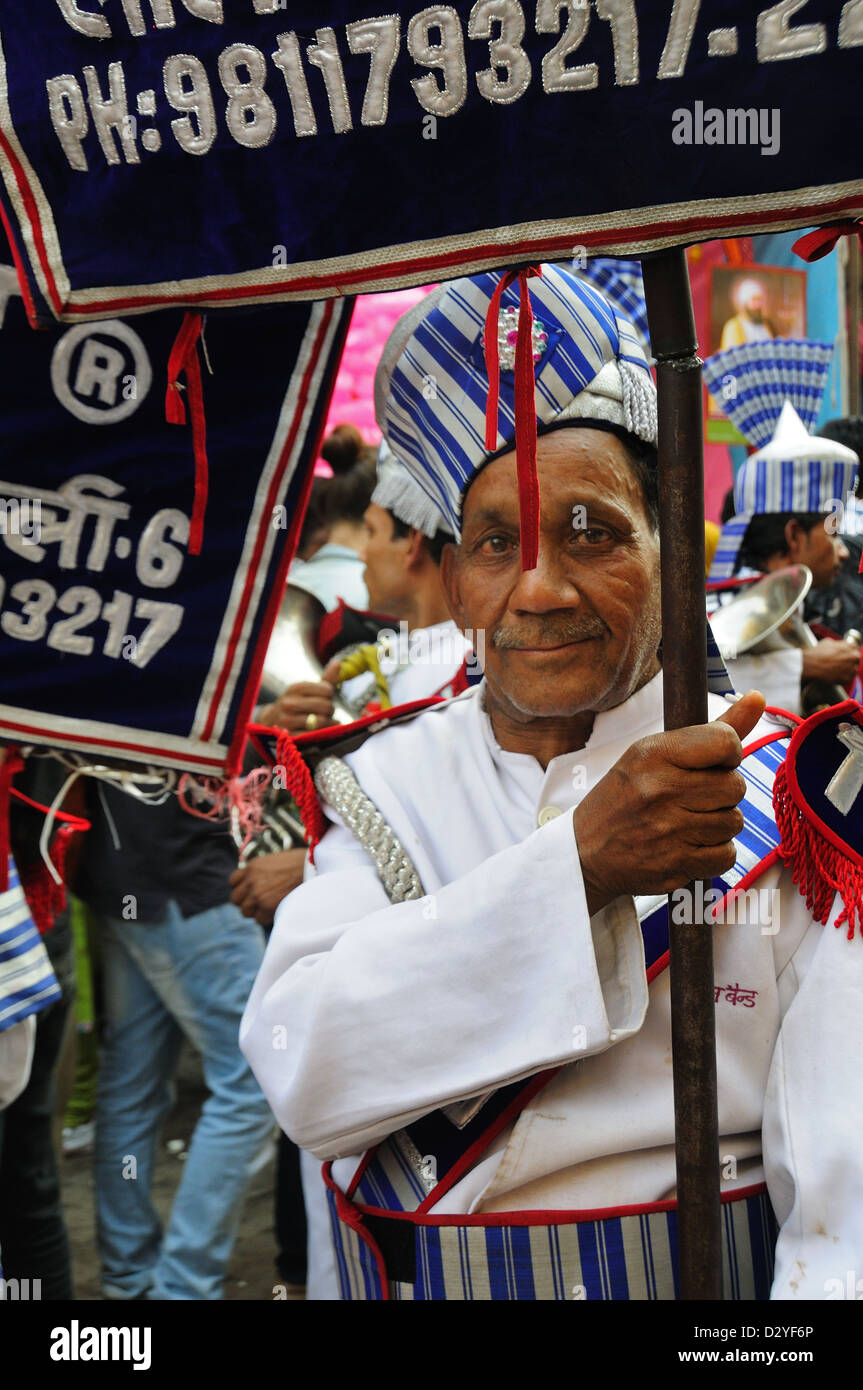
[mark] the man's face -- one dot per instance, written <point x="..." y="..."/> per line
<point x="386" y="558"/>
<point x="579" y="632"/>
<point x="823" y="553"/>
<point x="754" y="306"/>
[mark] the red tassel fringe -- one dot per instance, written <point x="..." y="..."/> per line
<point x="12" y="763"/>
<point x="45" y="898"/>
<point x="298" y="781"/>
<point x="818" y="868"/>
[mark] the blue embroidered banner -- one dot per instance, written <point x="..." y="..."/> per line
<point x="116" y="639"/>
<point x="164" y="151"/>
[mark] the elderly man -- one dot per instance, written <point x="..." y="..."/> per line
<point x="749" y="324"/>
<point x="466" y="1011"/>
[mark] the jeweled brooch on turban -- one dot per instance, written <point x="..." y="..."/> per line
<point x="507" y="336"/>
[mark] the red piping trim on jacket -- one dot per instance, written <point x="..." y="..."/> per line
<point x="36" y="226"/>
<point x="479" y="1146"/>
<point x="533" y="1217"/>
<point x="352" y="1216"/>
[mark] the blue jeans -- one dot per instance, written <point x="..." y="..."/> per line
<point x="192" y="976"/>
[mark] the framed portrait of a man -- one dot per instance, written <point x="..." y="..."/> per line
<point x="750" y="304"/>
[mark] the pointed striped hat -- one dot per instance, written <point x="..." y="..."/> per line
<point x="484" y="364"/>
<point x="772" y="392"/>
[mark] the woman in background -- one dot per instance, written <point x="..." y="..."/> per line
<point x="331" y="554"/>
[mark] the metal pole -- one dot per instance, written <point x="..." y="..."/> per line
<point x="852" y="302"/>
<point x="684" y="662"/>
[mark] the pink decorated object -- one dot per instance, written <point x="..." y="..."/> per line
<point x="353" y="397"/>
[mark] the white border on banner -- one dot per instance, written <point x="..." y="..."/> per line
<point x="101" y="740"/>
<point x="261" y="520"/>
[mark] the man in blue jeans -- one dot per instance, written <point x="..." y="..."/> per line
<point x="178" y="960"/>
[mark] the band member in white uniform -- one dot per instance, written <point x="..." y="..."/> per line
<point x="466" y="1010"/>
<point x="787" y="496"/>
<point x="424" y="651"/>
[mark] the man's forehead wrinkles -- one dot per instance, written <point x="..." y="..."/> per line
<point x="597" y="497"/>
<point x="590" y="478"/>
<point x="563" y="501"/>
<point x="480" y="515"/>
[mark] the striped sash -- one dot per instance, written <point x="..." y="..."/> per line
<point x="389" y="1243"/>
<point x="621" y="1254"/>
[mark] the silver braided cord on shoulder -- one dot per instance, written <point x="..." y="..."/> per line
<point x="340" y="789"/>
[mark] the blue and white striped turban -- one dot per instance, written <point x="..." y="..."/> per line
<point x="795" y="472"/>
<point x="435" y="388"/>
<point x="622" y="284"/>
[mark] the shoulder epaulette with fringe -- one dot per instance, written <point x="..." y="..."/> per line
<point x="818" y="802"/>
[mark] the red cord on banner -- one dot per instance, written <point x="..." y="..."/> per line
<point x="12" y="763"/>
<point x="823" y="240"/>
<point x="525" y="405"/>
<point x="76" y="822"/>
<point x="184" y="360"/>
<point x="46" y="898"/>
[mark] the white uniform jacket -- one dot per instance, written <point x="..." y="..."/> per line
<point x="366" y="1015"/>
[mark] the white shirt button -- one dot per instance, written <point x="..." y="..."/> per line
<point x="548" y="813"/>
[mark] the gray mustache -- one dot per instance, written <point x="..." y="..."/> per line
<point x="549" y="634"/>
